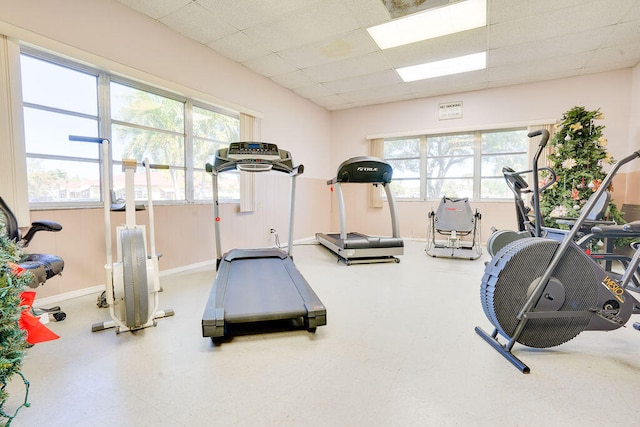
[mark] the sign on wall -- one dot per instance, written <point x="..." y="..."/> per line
<point x="450" y="110"/>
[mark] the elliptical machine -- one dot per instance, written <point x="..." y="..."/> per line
<point x="542" y="293"/>
<point x="519" y="187"/>
<point x="132" y="283"/>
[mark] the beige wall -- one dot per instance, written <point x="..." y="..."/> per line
<point x="521" y="104"/>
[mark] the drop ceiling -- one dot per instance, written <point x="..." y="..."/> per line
<point x="320" y="49"/>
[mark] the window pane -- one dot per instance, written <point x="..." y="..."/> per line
<point x="409" y="168"/>
<point x="63" y="181"/>
<point x="44" y="83"/>
<point x="134" y="143"/>
<point x="166" y="185"/>
<point x="505" y="141"/>
<point x="450" y="145"/>
<point x="492" y="165"/>
<point x="204" y="151"/>
<point x="215" y="126"/>
<point x="146" y="109"/>
<point x="48" y="133"/>
<point x="495" y="188"/>
<point x="450" y="167"/>
<point x="438" y="188"/>
<point x="402" y="148"/>
<point x="213" y="130"/>
<point x="406" y="188"/>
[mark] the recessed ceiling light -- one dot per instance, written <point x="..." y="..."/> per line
<point x="431" y="23"/>
<point x="460" y="64"/>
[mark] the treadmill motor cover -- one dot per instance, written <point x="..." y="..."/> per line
<point x="365" y="170"/>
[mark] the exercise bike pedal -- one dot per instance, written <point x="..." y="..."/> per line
<point x="636" y="325"/>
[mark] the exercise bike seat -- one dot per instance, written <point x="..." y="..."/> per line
<point x="42" y="266"/>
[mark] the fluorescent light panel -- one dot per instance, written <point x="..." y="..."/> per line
<point x="460" y="64"/>
<point x="431" y="23"/>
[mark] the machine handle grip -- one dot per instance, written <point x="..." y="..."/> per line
<point x="87" y="139"/>
<point x="545" y="136"/>
<point x="298" y="170"/>
<point x="154" y="166"/>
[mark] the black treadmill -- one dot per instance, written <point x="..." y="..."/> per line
<point x="354" y="247"/>
<point x="258" y="286"/>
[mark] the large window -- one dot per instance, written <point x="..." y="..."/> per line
<point x="63" y="98"/>
<point x="467" y="164"/>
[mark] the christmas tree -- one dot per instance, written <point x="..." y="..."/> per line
<point x="577" y="153"/>
<point x="12" y="338"/>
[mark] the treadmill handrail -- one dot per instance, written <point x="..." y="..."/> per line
<point x="223" y="163"/>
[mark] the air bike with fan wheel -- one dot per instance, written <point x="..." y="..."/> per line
<point x="542" y="293"/>
<point x="132" y="283"/>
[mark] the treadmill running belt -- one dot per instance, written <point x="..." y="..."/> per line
<point x="262" y="290"/>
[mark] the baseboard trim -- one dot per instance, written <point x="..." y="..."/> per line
<point x="54" y="299"/>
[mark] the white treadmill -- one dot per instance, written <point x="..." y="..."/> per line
<point x="258" y="286"/>
<point x="359" y="248"/>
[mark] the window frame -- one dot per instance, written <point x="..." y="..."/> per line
<point x="477" y="157"/>
<point x="105" y="121"/>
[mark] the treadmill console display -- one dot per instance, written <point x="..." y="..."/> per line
<point x="256" y="151"/>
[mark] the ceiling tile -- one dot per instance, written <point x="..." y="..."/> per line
<point x="368" y="12"/>
<point x="239" y="47"/>
<point x="533" y="70"/>
<point x="555" y="47"/>
<point x="315" y="91"/>
<point x="627" y="32"/>
<point x="332" y="102"/>
<point x="294" y="79"/>
<point x="197" y="23"/>
<point x="342" y="46"/>
<point x="270" y="65"/>
<point x="571" y="20"/>
<point x="244" y="14"/>
<point x="633" y="14"/>
<point x="467" y="79"/>
<point x="303" y="26"/>
<point x="445" y="47"/>
<point x="395" y="91"/>
<point x="509" y="10"/>
<point x="366" y="64"/>
<point x="368" y="81"/>
<point x="627" y="53"/>
<point x="156" y="9"/>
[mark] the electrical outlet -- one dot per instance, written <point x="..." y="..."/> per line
<point x="272" y="231"/>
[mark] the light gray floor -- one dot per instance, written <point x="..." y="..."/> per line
<point x="399" y="349"/>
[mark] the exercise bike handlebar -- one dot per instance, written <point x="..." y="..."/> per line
<point x="543" y="140"/>
<point x="512" y="177"/>
<point x="536" y="184"/>
<point x="154" y="166"/>
<point x="87" y="139"/>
